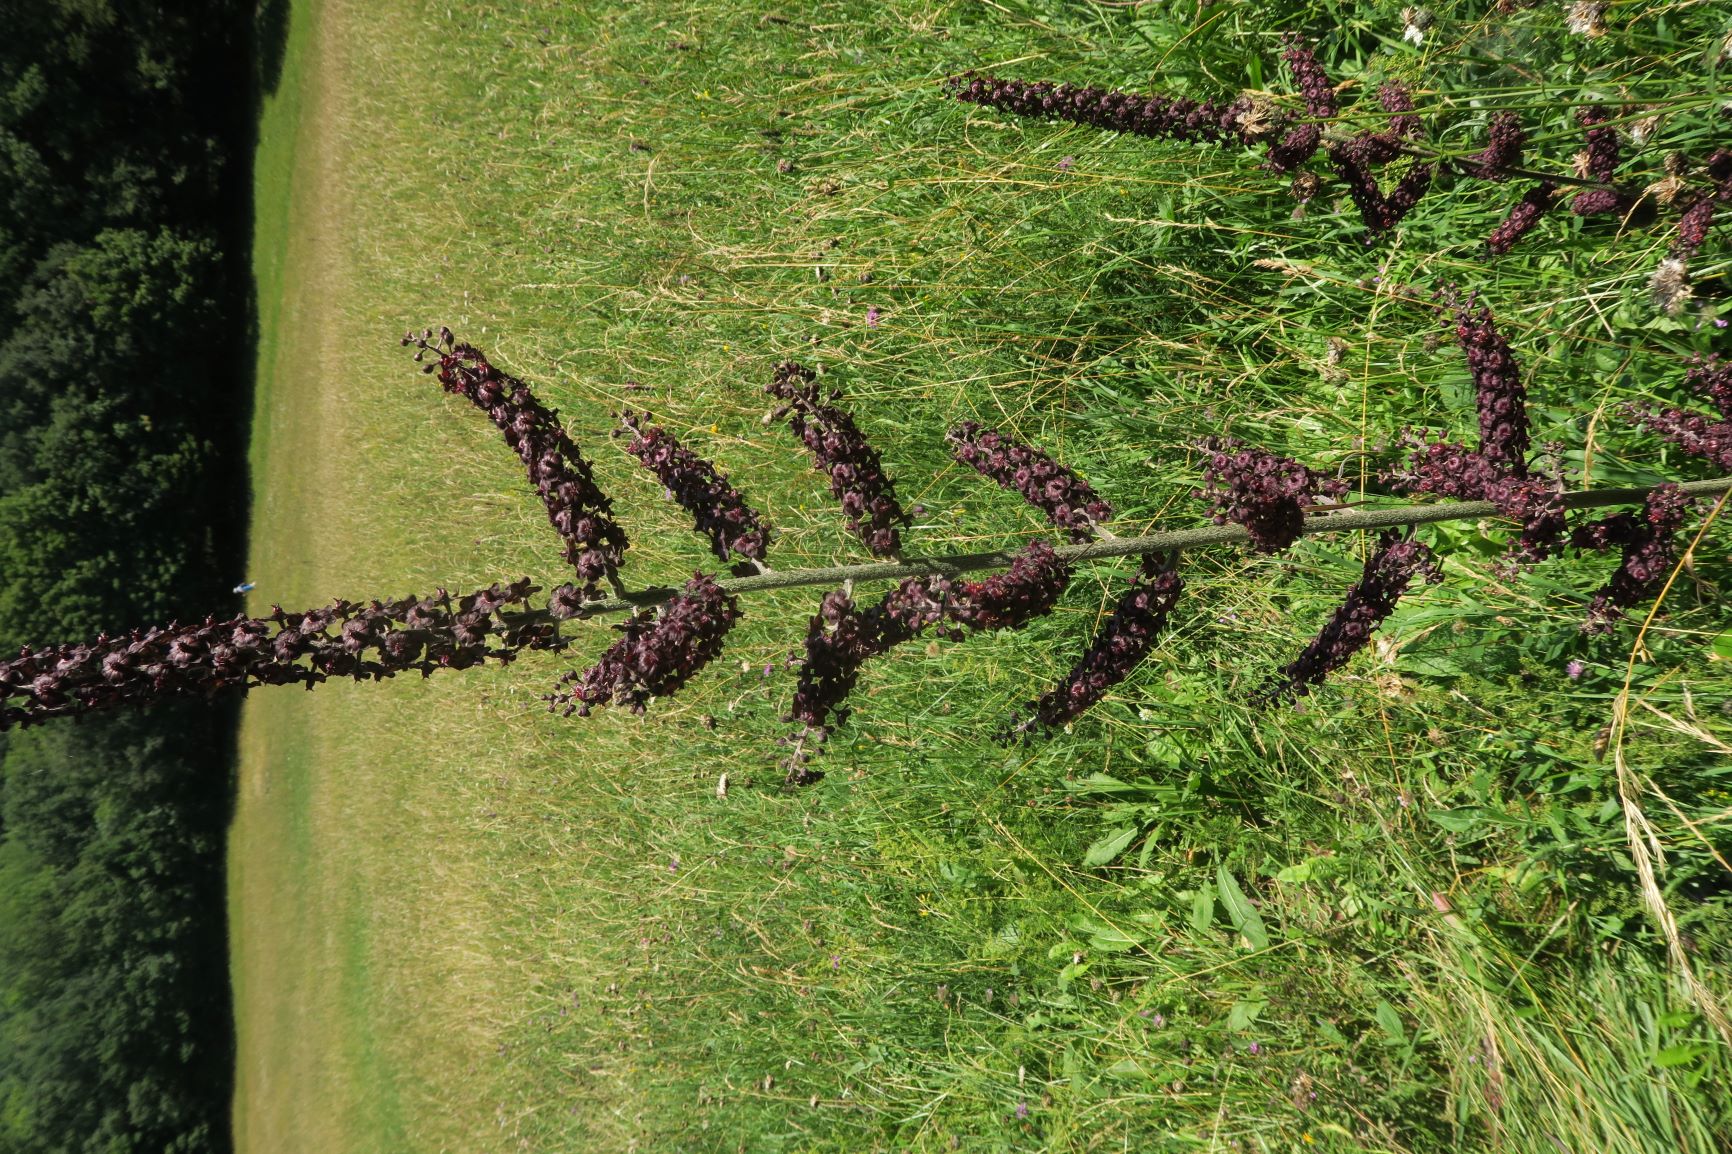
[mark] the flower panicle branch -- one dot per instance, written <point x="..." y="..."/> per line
<point x="1392" y="566"/>
<point x="1065" y="498"/>
<point x="841" y="452"/>
<point x="718" y="509"/>
<point x="370" y="641"/>
<point x="657" y="655"/>
<point x="1138" y="620"/>
<point x="577" y="509"/>
<point x="1358" y="158"/>
<point x="1265" y="493"/>
<point x="1649" y="544"/>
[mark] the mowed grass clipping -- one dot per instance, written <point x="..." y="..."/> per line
<point x="1401" y="920"/>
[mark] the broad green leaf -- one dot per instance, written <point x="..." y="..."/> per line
<point x="1244" y="1013"/>
<point x="1390" y="1020"/>
<point x="1240" y="910"/>
<point x="1110" y="846"/>
<point x="1203" y="910"/>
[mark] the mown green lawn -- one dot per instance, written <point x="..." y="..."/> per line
<point x="1402" y="919"/>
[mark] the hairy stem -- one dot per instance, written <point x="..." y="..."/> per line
<point x="949" y="565"/>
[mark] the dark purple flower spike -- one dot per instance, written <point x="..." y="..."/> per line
<point x="1065" y="498"/>
<point x="1388" y="572"/>
<point x="365" y="642"/>
<point x="719" y="510"/>
<point x="577" y="509"/>
<point x="657" y="655"/>
<point x="841" y="451"/>
<point x="1136" y="624"/>
<point x="1649" y="546"/>
<point x="1265" y="493"/>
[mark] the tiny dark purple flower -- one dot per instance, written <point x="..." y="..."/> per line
<point x="1254" y="1049"/>
<point x="872" y="317"/>
<point x="1022" y="1109"/>
<point x="1065" y="163"/>
<point x="674" y="865"/>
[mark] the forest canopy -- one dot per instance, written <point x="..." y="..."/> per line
<point x="124" y="136"/>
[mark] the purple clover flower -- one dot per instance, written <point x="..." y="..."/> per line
<point x="344" y="639"/>
<point x="657" y="655"/>
<point x="579" y="512"/>
<point x="1261" y="491"/>
<point x="1136" y="624"/>
<point x="1065" y="498"/>
<point x="841" y="451"/>
<point x="1388" y="571"/>
<point x="719" y="510"/>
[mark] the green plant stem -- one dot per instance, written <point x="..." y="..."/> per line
<point x="950" y="565"/>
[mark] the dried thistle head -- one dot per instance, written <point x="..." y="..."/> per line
<point x="1669" y="286"/>
<point x="1586" y="18"/>
<point x="1415" y="23"/>
<point x="1305" y="186"/>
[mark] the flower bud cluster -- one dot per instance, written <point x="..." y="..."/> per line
<point x="1599" y="162"/>
<point x="841" y="451"/>
<point x="1388" y="571"/>
<point x="840" y="639"/>
<point x="721" y="513"/>
<point x="1523" y="218"/>
<point x="1506" y="139"/>
<point x="1498" y="390"/>
<point x="656" y="656"/>
<point x="1065" y="498"/>
<point x="577" y="509"/>
<point x="1450" y="469"/>
<point x="1693" y="225"/>
<point x="1160" y="117"/>
<point x="1265" y="493"/>
<point x="1009" y="600"/>
<point x="1136" y="624"/>
<point x="1649" y="546"/>
<point x="1301" y="141"/>
<point x="1694" y="433"/>
<point x="372" y="641"/>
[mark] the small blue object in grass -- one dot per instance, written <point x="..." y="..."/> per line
<point x="244" y="587"/>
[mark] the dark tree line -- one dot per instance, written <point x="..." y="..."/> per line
<point x="125" y="128"/>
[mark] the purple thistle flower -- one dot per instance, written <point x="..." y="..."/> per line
<point x="872" y="317"/>
<point x="1064" y="497"/>
<point x="657" y="655"/>
<point x="1574" y="669"/>
<point x="1522" y="218"/>
<point x="1506" y="139"/>
<point x="579" y="512"/>
<point x="719" y="510"/>
<point x="1648" y="544"/>
<point x="841" y="451"/>
<point x="344" y="639"/>
<point x="1021" y="1110"/>
<point x="1261" y="491"/>
<point x="1135" y="626"/>
<point x="1388" y="571"/>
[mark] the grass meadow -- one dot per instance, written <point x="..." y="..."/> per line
<point x="1405" y="918"/>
